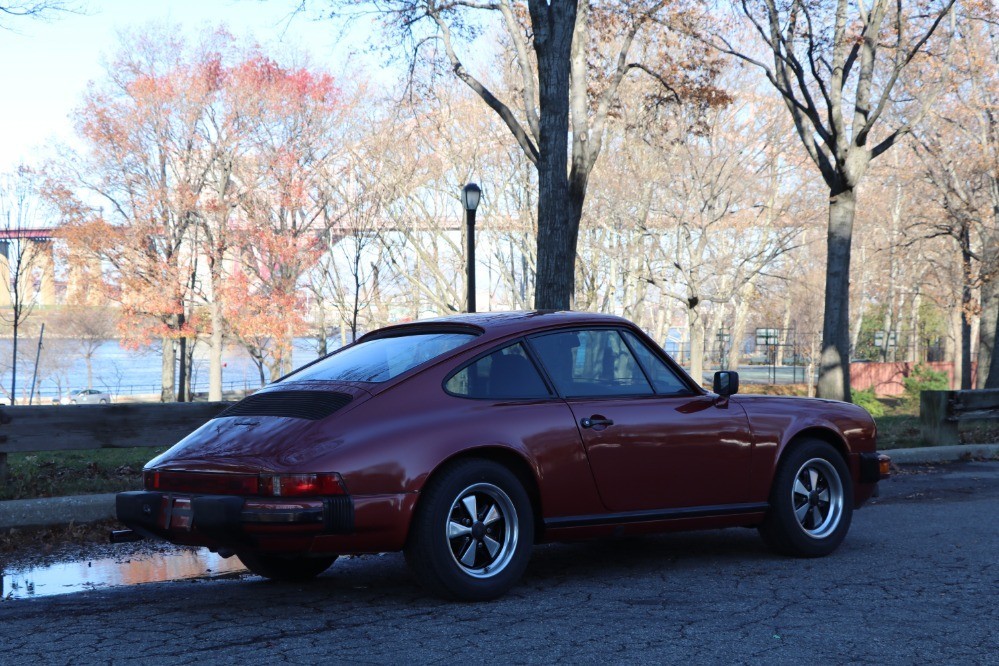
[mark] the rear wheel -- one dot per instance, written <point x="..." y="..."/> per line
<point x="288" y="569"/>
<point x="103" y="401"/>
<point x="472" y="533"/>
<point x="811" y="502"/>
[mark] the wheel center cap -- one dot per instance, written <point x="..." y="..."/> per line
<point x="813" y="498"/>
<point x="478" y="530"/>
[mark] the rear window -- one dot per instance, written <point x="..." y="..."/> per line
<point x="381" y="359"/>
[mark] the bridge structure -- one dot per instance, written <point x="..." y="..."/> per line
<point x="27" y="252"/>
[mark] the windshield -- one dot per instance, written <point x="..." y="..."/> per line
<point x="381" y="359"/>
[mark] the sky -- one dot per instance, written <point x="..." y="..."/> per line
<point x="45" y="65"/>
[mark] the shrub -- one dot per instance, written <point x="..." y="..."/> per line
<point x="867" y="400"/>
<point x="923" y="378"/>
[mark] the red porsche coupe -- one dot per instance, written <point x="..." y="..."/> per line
<point x="465" y="440"/>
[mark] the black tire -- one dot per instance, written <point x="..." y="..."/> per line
<point x="458" y="556"/>
<point x="811" y="501"/>
<point x="103" y="401"/>
<point x="286" y="569"/>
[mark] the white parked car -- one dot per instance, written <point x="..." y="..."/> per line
<point x="86" y="397"/>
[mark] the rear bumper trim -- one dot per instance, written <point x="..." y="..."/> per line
<point x="227" y="515"/>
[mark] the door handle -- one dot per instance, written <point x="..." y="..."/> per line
<point x="596" y="421"/>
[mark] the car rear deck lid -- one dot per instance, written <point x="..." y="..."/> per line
<point x="294" y="404"/>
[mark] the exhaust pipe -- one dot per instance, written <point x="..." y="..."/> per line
<point x="124" y="536"/>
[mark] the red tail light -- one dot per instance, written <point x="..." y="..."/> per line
<point x="224" y="483"/>
<point x="299" y="485"/>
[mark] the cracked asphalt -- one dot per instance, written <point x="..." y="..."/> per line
<point x="915" y="582"/>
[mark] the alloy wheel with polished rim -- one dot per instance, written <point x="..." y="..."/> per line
<point x="482" y="530"/>
<point x="811" y="500"/>
<point x="472" y="531"/>
<point x="817" y="498"/>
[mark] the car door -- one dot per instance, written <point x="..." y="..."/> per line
<point x="653" y="442"/>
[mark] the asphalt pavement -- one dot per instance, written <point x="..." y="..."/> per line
<point x="915" y="582"/>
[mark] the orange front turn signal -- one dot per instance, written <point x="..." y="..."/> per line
<point x="884" y="466"/>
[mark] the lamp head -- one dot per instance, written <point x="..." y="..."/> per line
<point x="470" y="195"/>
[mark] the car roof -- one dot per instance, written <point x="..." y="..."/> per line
<point x="499" y="324"/>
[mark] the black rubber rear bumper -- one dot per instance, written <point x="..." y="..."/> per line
<point x="151" y="513"/>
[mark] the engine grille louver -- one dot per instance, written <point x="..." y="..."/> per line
<point x="311" y="405"/>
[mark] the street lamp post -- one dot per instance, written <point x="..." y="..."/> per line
<point x="470" y="195"/>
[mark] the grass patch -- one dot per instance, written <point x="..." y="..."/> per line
<point x="796" y="390"/>
<point x="898" y="427"/>
<point x="58" y="473"/>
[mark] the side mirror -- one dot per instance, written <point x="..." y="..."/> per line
<point x="726" y="383"/>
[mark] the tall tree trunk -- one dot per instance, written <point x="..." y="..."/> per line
<point x="215" y="354"/>
<point x="322" y="339"/>
<point x="739" y="325"/>
<point x="886" y="328"/>
<point x="915" y="345"/>
<point x="13" y="364"/>
<point x="992" y="380"/>
<point x="785" y="325"/>
<point x="966" y="307"/>
<point x="696" y="327"/>
<point x="167" y="377"/>
<point x="182" y="374"/>
<point x="987" y="329"/>
<point x="860" y="304"/>
<point x="813" y="351"/>
<point x="834" y="367"/>
<point x="659" y="326"/>
<point x="858" y="323"/>
<point x="189" y="364"/>
<point x="952" y="344"/>
<point x="559" y="209"/>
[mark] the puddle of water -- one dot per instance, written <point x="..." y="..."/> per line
<point x="68" y="577"/>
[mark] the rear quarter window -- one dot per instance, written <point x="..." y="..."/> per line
<point x="505" y="374"/>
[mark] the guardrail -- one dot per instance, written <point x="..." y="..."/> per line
<point x="76" y="427"/>
<point x="46" y="393"/>
<point x="941" y="411"/>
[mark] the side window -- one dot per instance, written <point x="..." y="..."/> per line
<point x="663" y="378"/>
<point x="591" y="364"/>
<point x="506" y="374"/>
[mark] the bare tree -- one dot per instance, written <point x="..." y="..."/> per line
<point x="837" y="66"/>
<point x="571" y="58"/>
<point x="88" y="328"/>
<point x="19" y="213"/>
<point x="37" y="9"/>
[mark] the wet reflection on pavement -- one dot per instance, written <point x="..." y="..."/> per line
<point x="68" y="577"/>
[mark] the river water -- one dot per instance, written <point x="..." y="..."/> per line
<point x="122" y="371"/>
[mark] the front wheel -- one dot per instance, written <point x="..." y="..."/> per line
<point x="811" y="501"/>
<point x="286" y="569"/>
<point x="472" y="532"/>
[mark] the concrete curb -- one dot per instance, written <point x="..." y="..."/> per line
<point x="88" y="508"/>
<point x="56" y="510"/>
<point x="935" y="454"/>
